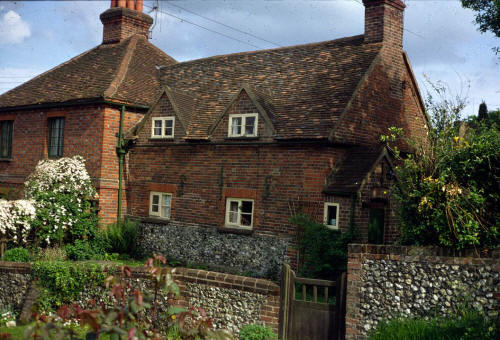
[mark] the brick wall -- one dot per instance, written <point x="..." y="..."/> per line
<point x="385" y="282"/>
<point x="89" y="131"/>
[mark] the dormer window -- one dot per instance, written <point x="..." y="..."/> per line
<point x="243" y="125"/>
<point x="162" y="127"/>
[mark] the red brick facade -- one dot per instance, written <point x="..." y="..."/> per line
<point x="90" y="131"/>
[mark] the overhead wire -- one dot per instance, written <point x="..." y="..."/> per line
<point x="205" y="28"/>
<point x="223" y="24"/>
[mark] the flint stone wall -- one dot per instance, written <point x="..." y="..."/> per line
<point x="15" y="281"/>
<point x="231" y="301"/>
<point x="386" y="282"/>
<point x="251" y="255"/>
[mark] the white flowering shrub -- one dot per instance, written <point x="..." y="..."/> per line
<point x="62" y="191"/>
<point x="15" y="220"/>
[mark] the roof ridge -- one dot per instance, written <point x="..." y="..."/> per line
<point x="157" y="48"/>
<point x="339" y="40"/>
<point x="123" y="69"/>
<point x="52" y="69"/>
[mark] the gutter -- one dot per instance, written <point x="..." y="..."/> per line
<point x="77" y="102"/>
<point x="121" y="151"/>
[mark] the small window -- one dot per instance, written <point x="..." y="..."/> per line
<point x="56" y="137"/>
<point x="163" y="127"/>
<point x="160" y="204"/>
<point x="243" y="125"/>
<point x="239" y="213"/>
<point x="331" y="215"/>
<point x="6" y="128"/>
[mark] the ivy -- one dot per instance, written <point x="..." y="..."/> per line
<point x="62" y="282"/>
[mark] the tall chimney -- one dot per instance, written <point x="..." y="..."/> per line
<point x="124" y="19"/>
<point x="384" y="22"/>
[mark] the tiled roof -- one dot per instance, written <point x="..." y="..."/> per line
<point x="304" y="87"/>
<point x="124" y="72"/>
<point x="348" y="176"/>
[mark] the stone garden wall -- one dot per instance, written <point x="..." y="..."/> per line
<point x="250" y="255"/>
<point x="231" y="301"/>
<point x="385" y="282"/>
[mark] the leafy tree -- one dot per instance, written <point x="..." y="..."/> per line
<point x="483" y="111"/>
<point x="448" y="188"/>
<point x="487" y="15"/>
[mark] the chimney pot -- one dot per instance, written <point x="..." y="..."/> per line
<point x="121" y="3"/>
<point x="130" y="4"/>
<point x="114" y="3"/>
<point x="138" y="5"/>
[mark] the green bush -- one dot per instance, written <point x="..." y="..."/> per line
<point x="17" y="255"/>
<point x="257" y="332"/>
<point x="325" y="250"/>
<point x="122" y="238"/>
<point x="62" y="282"/>
<point x="80" y="250"/>
<point x="466" y="325"/>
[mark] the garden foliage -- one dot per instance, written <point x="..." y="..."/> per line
<point x="257" y="332"/>
<point x="62" y="282"/>
<point x="466" y="325"/>
<point x="62" y="191"/>
<point x="17" y="255"/>
<point x="325" y="250"/>
<point x="448" y="186"/>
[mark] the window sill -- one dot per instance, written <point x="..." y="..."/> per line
<point x="155" y="219"/>
<point x="242" y="138"/>
<point x="164" y="139"/>
<point x="5" y="159"/>
<point x="234" y="230"/>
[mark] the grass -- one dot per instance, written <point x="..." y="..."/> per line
<point x="15" y="332"/>
<point x="467" y="324"/>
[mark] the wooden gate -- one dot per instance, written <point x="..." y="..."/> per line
<point x="311" y="309"/>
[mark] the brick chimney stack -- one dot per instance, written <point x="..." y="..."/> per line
<point x="124" y="19"/>
<point x="384" y="22"/>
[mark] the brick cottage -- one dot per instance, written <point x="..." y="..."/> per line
<point x="221" y="151"/>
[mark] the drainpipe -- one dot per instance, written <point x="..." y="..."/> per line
<point x="351" y="212"/>
<point x="120" y="152"/>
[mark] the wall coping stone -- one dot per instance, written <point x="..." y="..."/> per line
<point x="224" y="280"/>
<point x="15" y="267"/>
<point x="377" y="249"/>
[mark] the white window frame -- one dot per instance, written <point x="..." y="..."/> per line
<point x="159" y="213"/>
<point x="325" y="215"/>
<point x="162" y="120"/>
<point x="240" y="202"/>
<point x="243" y="117"/>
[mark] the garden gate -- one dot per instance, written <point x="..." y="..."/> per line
<point x="311" y="309"/>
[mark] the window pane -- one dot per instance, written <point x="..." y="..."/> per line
<point x="56" y="137"/>
<point x="250" y="125"/>
<point x="246" y="207"/>
<point x="233" y="206"/>
<point x="157" y="123"/>
<point x="236" y="126"/>
<point x="246" y="219"/>
<point x="156" y="199"/>
<point x="166" y="200"/>
<point x="6" y="138"/>
<point x="165" y="212"/>
<point x="233" y="217"/>
<point x="168" y="131"/>
<point x="332" y="215"/>
<point x="168" y="123"/>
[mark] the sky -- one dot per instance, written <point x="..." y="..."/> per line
<point x="440" y="37"/>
